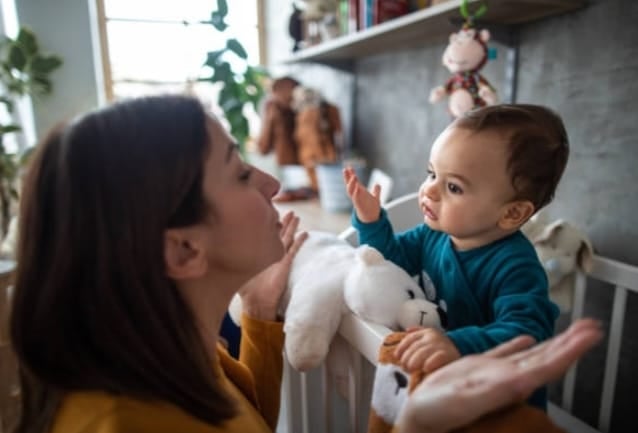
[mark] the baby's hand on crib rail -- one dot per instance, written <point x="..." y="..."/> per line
<point x="425" y="350"/>
<point x="462" y="392"/>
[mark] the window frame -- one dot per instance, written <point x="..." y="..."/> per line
<point x="105" y="56"/>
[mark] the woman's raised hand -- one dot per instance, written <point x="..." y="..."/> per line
<point x="262" y="293"/>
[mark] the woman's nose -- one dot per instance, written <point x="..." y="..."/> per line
<point x="270" y="185"/>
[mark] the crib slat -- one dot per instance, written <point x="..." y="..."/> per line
<point x="354" y="388"/>
<point x="293" y="399"/>
<point x="305" y="402"/>
<point x="327" y="388"/>
<point x="578" y="309"/>
<point x="613" y="355"/>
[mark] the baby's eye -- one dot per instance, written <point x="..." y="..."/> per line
<point x="431" y="175"/>
<point x="454" y="189"/>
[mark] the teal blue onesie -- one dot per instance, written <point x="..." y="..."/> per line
<point x="490" y="294"/>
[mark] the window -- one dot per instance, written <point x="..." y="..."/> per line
<point x="159" y="46"/>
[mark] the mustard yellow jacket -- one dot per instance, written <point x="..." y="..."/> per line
<point x="254" y="380"/>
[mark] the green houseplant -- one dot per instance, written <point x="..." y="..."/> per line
<point x="24" y="70"/>
<point x="240" y="86"/>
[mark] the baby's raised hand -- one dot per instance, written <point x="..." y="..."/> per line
<point x="425" y="350"/>
<point x="367" y="205"/>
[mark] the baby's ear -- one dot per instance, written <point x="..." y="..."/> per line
<point x="515" y="214"/>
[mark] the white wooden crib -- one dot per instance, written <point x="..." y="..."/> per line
<point x="314" y="403"/>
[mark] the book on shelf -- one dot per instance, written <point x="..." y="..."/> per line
<point x="355" y="15"/>
<point x="385" y="10"/>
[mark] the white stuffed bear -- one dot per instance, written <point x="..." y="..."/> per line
<point x="330" y="277"/>
<point x="375" y="290"/>
<point x="562" y="249"/>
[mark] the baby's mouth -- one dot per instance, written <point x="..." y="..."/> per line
<point x="428" y="213"/>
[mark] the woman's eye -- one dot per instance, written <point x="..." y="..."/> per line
<point x="245" y="173"/>
<point x="454" y="189"/>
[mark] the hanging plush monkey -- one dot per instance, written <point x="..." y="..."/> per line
<point x="464" y="56"/>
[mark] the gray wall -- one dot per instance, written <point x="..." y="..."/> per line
<point x="583" y="64"/>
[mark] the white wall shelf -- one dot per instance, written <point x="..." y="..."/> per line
<point x="416" y="28"/>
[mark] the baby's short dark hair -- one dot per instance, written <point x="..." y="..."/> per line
<point x="538" y="146"/>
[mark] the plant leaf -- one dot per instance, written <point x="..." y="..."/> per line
<point x="17" y="59"/>
<point x="223" y="73"/>
<point x="5" y="129"/>
<point x="217" y="20"/>
<point x="8" y="102"/>
<point x="481" y="11"/>
<point x="213" y="57"/>
<point x="236" y="47"/>
<point x="222" y="7"/>
<point x="464" y="10"/>
<point x="41" y="85"/>
<point x="45" y="64"/>
<point x="27" y="41"/>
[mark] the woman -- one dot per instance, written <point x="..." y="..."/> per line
<point x="139" y="222"/>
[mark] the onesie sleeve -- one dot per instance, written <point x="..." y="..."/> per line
<point x="403" y="249"/>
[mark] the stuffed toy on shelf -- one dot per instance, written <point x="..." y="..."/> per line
<point x="464" y="57"/>
<point x="318" y="131"/>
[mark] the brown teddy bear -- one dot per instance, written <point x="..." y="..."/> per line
<point x="278" y="123"/>
<point x="317" y="131"/>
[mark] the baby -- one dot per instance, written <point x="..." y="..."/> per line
<point x="489" y="172"/>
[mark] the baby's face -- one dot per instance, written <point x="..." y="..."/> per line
<point x="467" y="187"/>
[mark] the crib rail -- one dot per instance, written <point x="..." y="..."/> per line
<point x="621" y="278"/>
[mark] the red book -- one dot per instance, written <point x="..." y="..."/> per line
<point x="386" y="10"/>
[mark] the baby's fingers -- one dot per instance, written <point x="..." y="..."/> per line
<point x="437" y="360"/>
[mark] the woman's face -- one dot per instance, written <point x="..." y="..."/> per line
<point x="242" y="227"/>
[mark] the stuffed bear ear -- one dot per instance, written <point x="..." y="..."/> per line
<point x="585" y="255"/>
<point x="548" y="232"/>
<point x="369" y="256"/>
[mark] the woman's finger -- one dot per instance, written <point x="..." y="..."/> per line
<point x="294" y="247"/>
<point x="588" y="327"/>
<point x="510" y="347"/>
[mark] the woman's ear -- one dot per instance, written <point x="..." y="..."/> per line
<point x="183" y="255"/>
<point x="515" y="214"/>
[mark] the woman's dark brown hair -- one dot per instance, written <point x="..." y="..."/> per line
<point x="93" y="308"/>
<point x="538" y="146"/>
